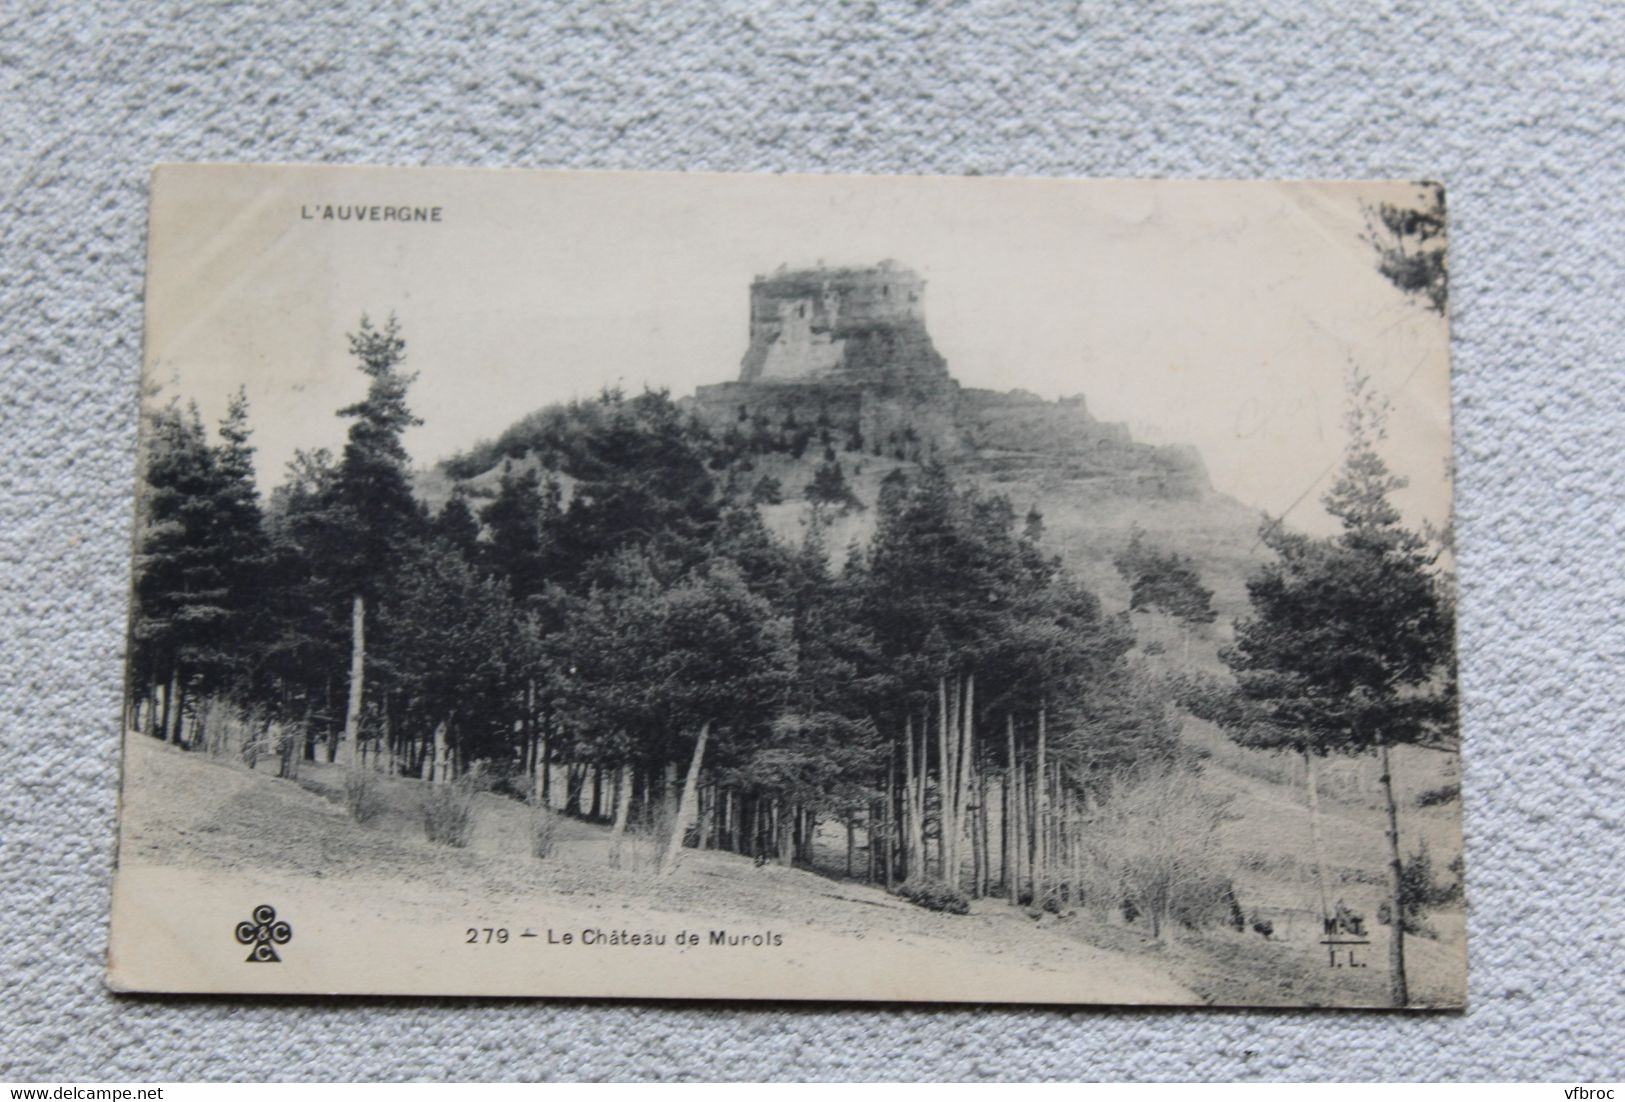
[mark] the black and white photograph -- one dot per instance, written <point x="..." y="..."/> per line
<point x="706" y="586"/>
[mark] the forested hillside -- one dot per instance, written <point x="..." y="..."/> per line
<point x="739" y="641"/>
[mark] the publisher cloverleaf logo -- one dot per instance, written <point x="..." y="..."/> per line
<point x="264" y="932"/>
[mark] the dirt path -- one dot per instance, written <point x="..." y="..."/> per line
<point x="376" y="909"/>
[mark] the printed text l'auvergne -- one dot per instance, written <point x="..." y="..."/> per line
<point x="358" y="212"/>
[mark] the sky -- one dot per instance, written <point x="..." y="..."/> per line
<point x="1220" y="314"/>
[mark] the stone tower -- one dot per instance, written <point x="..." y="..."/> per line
<point x="846" y="348"/>
<point x="855" y="326"/>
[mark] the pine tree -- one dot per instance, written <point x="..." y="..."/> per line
<point x="829" y="488"/>
<point x="455" y="525"/>
<point x="200" y="553"/>
<point x="239" y="544"/>
<point x="514" y="520"/>
<point x="302" y="602"/>
<point x="1350" y="648"/>
<point x="641" y="481"/>
<point x="181" y="593"/>
<point x="1410" y="245"/>
<point x="724" y="661"/>
<point x="374" y="516"/>
<point x="1166" y="583"/>
<point x="823" y="752"/>
<point x="451" y="633"/>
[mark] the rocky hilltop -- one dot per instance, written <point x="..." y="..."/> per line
<point x="839" y="362"/>
<point x="849" y="349"/>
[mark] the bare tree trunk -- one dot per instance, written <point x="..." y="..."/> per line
<point x="710" y="816"/>
<point x="1005" y="833"/>
<point x="920" y="782"/>
<point x="358" y="669"/>
<point x="623" y="800"/>
<point x="440" y="770"/>
<point x="387" y="738"/>
<point x="527" y="729"/>
<point x="1061" y="851"/>
<point x="1029" y="839"/>
<point x="1041" y="816"/>
<point x="985" y="883"/>
<point x="782" y="840"/>
<point x="173" y="707"/>
<point x="1012" y="822"/>
<point x="544" y="767"/>
<point x="293" y="747"/>
<point x="1399" y="993"/>
<point x="809" y="830"/>
<point x="944" y="772"/>
<point x="889" y="826"/>
<point x="976" y="822"/>
<point x="951" y="831"/>
<point x="669" y="791"/>
<point x="966" y="758"/>
<point x="169" y="700"/>
<point x="907" y="796"/>
<point x="273" y="742"/>
<point x="964" y="766"/>
<point x="572" y="788"/>
<point x="685" y="806"/>
<point x="1057" y="837"/>
<point x="182" y="697"/>
<point x="1313" y="784"/>
<point x="1075" y="846"/>
<point x="913" y="779"/>
<point x="871" y="831"/>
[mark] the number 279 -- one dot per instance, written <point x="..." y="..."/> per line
<point x="485" y="935"/>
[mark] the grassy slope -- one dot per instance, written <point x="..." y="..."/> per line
<point x="213" y="817"/>
<point x="216" y="815"/>
<point x="1266" y="840"/>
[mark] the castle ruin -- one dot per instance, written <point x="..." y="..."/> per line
<point x="847" y="346"/>
<point x="848" y="349"/>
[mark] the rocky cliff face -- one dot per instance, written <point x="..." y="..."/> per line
<point x="1014" y="433"/>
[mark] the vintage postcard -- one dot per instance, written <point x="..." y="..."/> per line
<point x="773" y="587"/>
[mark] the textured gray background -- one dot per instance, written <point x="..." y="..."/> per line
<point x="1520" y="112"/>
